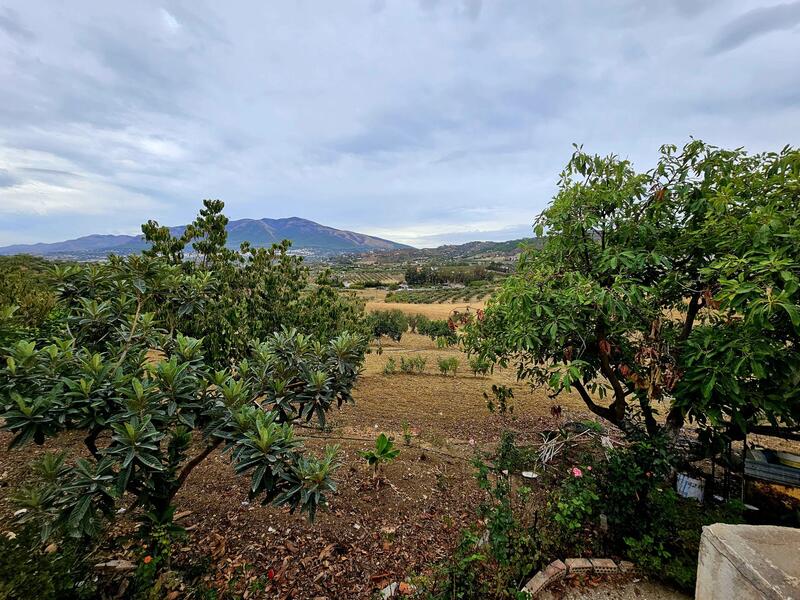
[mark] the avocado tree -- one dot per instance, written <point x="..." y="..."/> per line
<point x="153" y="404"/>
<point x="667" y="295"/>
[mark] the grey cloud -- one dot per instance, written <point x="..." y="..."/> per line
<point x="430" y="121"/>
<point x="11" y="25"/>
<point x="7" y="179"/>
<point x="755" y="23"/>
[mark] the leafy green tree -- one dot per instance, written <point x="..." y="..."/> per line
<point x="672" y="292"/>
<point x="253" y="291"/>
<point x="154" y="405"/>
<point x="390" y="323"/>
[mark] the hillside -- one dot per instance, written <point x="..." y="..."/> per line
<point x="307" y="237"/>
<point x="466" y="251"/>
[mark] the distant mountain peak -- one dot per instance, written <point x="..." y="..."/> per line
<point x="307" y="237"/>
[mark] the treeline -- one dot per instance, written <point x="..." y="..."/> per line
<point x="427" y="275"/>
<point x="394" y="323"/>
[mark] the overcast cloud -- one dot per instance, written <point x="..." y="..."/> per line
<point x="425" y="122"/>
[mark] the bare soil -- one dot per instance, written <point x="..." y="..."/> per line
<point x="370" y="535"/>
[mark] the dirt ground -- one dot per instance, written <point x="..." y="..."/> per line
<point x="369" y="536"/>
<point x="636" y="589"/>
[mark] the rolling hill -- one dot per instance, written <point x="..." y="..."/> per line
<point x="307" y="237"/>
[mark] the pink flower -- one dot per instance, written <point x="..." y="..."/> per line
<point x="589" y="468"/>
<point x="576" y="472"/>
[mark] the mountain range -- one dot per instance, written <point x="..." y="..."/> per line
<point x="307" y="237"/>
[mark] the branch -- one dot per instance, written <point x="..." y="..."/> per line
<point x="694" y="307"/>
<point x="600" y="411"/>
<point x="139" y="304"/>
<point x="90" y="441"/>
<point x="619" y="393"/>
<point x="675" y="417"/>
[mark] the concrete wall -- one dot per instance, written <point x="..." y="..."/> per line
<point x="748" y="562"/>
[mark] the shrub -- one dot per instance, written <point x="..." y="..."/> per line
<point x="413" y="363"/>
<point x="437" y="328"/>
<point x="391" y="323"/>
<point x="390" y="368"/>
<point x="479" y="366"/>
<point x="122" y="371"/>
<point x="448" y="365"/>
<point x="501" y="399"/>
<point x="28" y="571"/>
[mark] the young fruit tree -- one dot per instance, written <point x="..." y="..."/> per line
<point x="662" y="296"/>
<point x="153" y="402"/>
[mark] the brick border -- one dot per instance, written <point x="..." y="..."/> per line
<point x="558" y="570"/>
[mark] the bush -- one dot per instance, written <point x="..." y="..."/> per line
<point x="437" y="328"/>
<point x="501" y="399"/>
<point x="479" y="366"/>
<point x="29" y="572"/>
<point x="647" y="522"/>
<point x="412" y="364"/>
<point x="390" y="368"/>
<point x="154" y="403"/>
<point x="448" y="365"/>
<point x="391" y="323"/>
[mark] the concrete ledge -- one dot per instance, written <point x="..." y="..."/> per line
<point x="748" y="562"/>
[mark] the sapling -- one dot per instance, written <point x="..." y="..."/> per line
<point x="383" y="453"/>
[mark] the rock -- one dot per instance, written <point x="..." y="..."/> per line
<point x="748" y="562"/>
<point x="529" y="475"/>
<point x="389" y="590"/>
<point x="51" y="549"/>
<point x="116" y="565"/>
<point x="484" y="539"/>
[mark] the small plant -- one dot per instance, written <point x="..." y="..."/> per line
<point x="575" y="507"/>
<point x="383" y="453"/>
<point x="500" y="400"/>
<point x="448" y="365"/>
<point x="413" y="364"/>
<point x="390" y="368"/>
<point x="407" y="435"/>
<point x="479" y="366"/>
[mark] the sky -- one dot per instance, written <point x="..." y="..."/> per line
<point x="425" y="122"/>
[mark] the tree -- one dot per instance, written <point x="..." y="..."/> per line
<point x="672" y="292"/>
<point x="253" y="291"/>
<point x="121" y="370"/>
<point x="391" y="323"/>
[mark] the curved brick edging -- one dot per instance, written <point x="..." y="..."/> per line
<point x="558" y="570"/>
